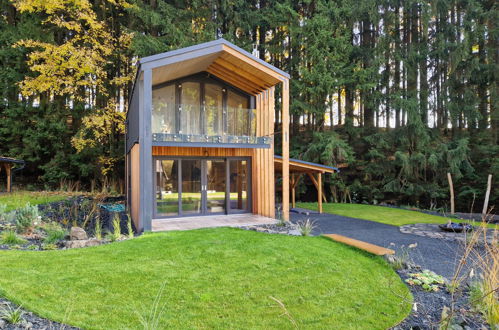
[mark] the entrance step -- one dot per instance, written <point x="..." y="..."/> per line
<point x="368" y="247"/>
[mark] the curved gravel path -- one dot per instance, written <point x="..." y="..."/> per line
<point x="437" y="255"/>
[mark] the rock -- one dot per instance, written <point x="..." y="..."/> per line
<point x="3" y="324"/>
<point x="28" y="325"/>
<point x="78" y="233"/>
<point x="294" y="232"/>
<point x="82" y="243"/>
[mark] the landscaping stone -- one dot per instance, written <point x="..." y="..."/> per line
<point x="287" y="228"/>
<point x="433" y="231"/>
<point x="82" y="243"/>
<point x="78" y="233"/>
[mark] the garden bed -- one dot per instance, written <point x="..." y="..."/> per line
<point x="50" y="226"/>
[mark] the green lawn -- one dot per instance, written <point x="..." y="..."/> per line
<point x="20" y="198"/>
<point x="213" y="278"/>
<point x="388" y="215"/>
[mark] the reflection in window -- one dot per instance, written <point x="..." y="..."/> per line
<point x="167" y="187"/>
<point x="190" y="116"/>
<point x="213" y="109"/>
<point x="238" y="115"/>
<point x="163" y="109"/>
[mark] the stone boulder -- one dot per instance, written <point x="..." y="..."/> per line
<point x="82" y="243"/>
<point x="78" y="234"/>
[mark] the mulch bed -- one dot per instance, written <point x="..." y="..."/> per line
<point x="30" y="320"/>
<point x="428" y="306"/>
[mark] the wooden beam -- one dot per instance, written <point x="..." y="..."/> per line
<point x="319" y="192"/>
<point x="260" y="67"/>
<point x="8" y="168"/>
<point x="226" y="74"/>
<point x="247" y="75"/>
<point x="285" y="149"/>
<point x="317" y="185"/>
<point x="231" y="81"/>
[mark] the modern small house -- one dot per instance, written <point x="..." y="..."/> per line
<point x="200" y="135"/>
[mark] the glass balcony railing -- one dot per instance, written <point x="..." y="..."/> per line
<point x="193" y="123"/>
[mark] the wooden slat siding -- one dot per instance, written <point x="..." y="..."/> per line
<point x="271" y="151"/>
<point x="202" y="152"/>
<point x="135" y="182"/>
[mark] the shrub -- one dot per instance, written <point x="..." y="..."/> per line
<point x="98" y="229"/>
<point x="6" y="217"/>
<point x="12" y="315"/>
<point x="55" y="233"/>
<point x="129" y="226"/>
<point x="427" y="279"/>
<point x="116" y="234"/>
<point x="306" y="227"/>
<point x="49" y="246"/>
<point x="10" y="237"/>
<point x="26" y="217"/>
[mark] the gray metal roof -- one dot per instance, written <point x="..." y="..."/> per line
<point x="208" y="44"/>
<point x="11" y="160"/>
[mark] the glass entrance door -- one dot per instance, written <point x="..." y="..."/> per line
<point x="189" y="187"/>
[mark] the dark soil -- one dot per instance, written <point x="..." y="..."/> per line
<point x="79" y="209"/>
<point x="30" y="320"/>
<point x="428" y="306"/>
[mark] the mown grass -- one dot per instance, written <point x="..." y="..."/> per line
<point x="382" y="214"/>
<point x="213" y="278"/>
<point x="19" y="199"/>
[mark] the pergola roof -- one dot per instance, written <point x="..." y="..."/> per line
<point x="296" y="165"/>
<point x="10" y="160"/>
<point x="219" y="58"/>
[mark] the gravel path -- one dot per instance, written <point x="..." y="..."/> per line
<point x="437" y="255"/>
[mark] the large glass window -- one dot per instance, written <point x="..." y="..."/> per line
<point x="238" y="114"/>
<point x="238" y="185"/>
<point x="191" y="186"/>
<point x="213" y="101"/>
<point x="167" y="187"/>
<point x="163" y="109"/>
<point x="190" y="114"/>
<point x="203" y="110"/>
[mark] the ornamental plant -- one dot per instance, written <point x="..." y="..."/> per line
<point x="427" y="279"/>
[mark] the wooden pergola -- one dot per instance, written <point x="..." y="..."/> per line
<point x="8" y="163"/>
<point x="298" y="168"/>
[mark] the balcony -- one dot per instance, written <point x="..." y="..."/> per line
<point x="194" y="125"/>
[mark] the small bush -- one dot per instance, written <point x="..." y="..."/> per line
<point x="306" y="227"/>
<point x="49" y="247"/>
<point x="427" y="279"/>
<point x="116" y="234"/>
<point x="26" y="217"/>
<point x="98" y="229"/>
<point x="55" y="233"/>
<point x="12" y="315"/>
<point x="129" y="226"/>
<point x="9" y="237"/>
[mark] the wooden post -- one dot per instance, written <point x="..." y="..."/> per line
<point x="8" y="168"/>
<point x="487" y="195"/>
<point x="293" y="191"/>
<point x="451" y="188"/>
<point x="285" y="149"/>
<point x="319" y="191"/>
